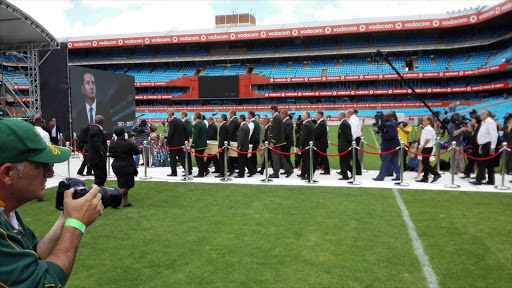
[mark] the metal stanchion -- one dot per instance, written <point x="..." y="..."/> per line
<point x="506" y="151"/>
<point x="311" y="168"/>
<point x="226" y="178"/>
<point x="415" y="132"/>
<point x="361" y="157"/>
<point x="438" y="157"/>
<point x="452" y="166"/>
<point x="108" y="162"/>
<point x="186" y="177"/>
<point x="354" y="151"/>
<point x="60" y="139"/>
<point x="266" y="180"/>
<point x="145" y="177"/>
<point x="75" y="154"/>
<point x="69" y="160"/>
<point x="401" y="159"/>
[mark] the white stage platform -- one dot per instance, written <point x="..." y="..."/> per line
<point x="160" y="174"/>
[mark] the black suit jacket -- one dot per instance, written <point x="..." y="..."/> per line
<point x="83" y="139"/>
<point x="176" y="133"/>
<point x="243" y="138"/>
<point x="344" y="136"/>
<point x="288" y="132"/>
<point x="306" y="134"/>
<point x="277" y="130"/>
<point x="212" y="131"/>
<point x="321" y="135"/>
<point x="81" y="117"/>
<point x="223" y="134"/>
<point x="234" y="125"/>
<point x="97" y="146"/>
<point x="123" y="151"/>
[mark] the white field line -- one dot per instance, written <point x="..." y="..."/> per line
<point x="374" y="139"/>
<point x="416" y="244"/>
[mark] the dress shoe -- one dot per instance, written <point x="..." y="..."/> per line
<point x="216" y="171"/>
<point x="325" y="173"/>
<point x="261" y="171"/>
<point x="81" y="174"/>
<point x="489" y="183"/>
<point x="304" y="178"/>
<point x="360" y="173"/>
<point x="206" y="173"/>
<point x="422" y="180"/>
<point x="283" y="173"/>
<point x="89" y="174"/>
<point x="476" y="183"/>
<point x="344" y="178"/>
<point x="301" y="175"/>
<point x="273" y="176"/>
<point x="239" y="176"/>
<point x="219" y="176"/>
<point x="289" y="173"/>
<point x="464" y="177"/>
<point x="231" y="173"/>
<point x="172" y="175"/>
<point x="389" y="175"/>
<point x="436" y="177"/>
<point x="339" y="172"/>
<point x="199" y="176"/>
<point x="377" y="179"/>
<point x="395" y="179"/>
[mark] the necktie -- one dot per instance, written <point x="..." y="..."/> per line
<point x="90" y="116"/>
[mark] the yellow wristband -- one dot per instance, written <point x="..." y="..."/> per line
<point x="75" y="223"/>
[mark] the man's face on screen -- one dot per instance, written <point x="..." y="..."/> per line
<point x="89" y="87"/>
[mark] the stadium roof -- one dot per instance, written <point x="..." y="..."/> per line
<point x="18" y="31"/>
<point x="414" y="17"/>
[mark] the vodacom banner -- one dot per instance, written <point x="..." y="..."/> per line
<point x="300" y="32"/>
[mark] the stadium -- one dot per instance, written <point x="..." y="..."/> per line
<point x="203" y="232"/>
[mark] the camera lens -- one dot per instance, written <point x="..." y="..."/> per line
<point x="110" y="197"/>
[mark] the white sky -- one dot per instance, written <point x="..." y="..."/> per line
<point x="71" y="18"/>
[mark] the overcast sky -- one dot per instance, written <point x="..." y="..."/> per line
<point x="65" y="18"/>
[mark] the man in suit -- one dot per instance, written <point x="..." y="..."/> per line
<point x="276" y="142"/>
<point x="242" y="141"/>
<point x="306" y="136"/>
<point x="199" y="144"/>
<point x="298" y="124"/>
<point x="344" y="143"/>
<point x="321" y="143"/>
<point x="254" y="139"/>
<point x="357" y="128"/>
<point x="54" y="132"/>
<point x="288" y="135"/>
<point x="82" y="146"/>
<point x="223" y="137"/>
<point x="265" y="121"/>
<point x="97" y="155"/>
<point x="234" y="125"/>
<point x="189" y="132"/>
<point x="175" y="138"/>
<point x="212" y="135"/>
<point x="86" y="111"/>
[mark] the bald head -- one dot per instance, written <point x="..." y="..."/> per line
<point x="341" y="115"/>
<point x="350" y="112"/>
<point x="388" y="116"/>
<point x="99" y="120"/>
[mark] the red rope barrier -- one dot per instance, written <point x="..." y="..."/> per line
<point x="204" y="156"/>
<point x="329" y="155"/>
<point x="333" y="144"/>
<point x="378" y="153"/>
<point x="372" y="146"/>
<point x="248" y="152"/>
<point x="286" y="153"/>
<point x="480" y="159"/>
<point x="79" y="152"/>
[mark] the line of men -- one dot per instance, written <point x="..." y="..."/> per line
<point x="245" y="131"/>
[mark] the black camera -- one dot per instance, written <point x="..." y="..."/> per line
<point x="110" y="197"/>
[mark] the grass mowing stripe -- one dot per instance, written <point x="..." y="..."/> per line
<point x="416" y="243"/>
<point x="374" y="139"/>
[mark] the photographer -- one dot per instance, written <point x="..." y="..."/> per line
<point x="142" y="133"/>
<point x="456" y="129"/>
<point x="25" y="163"/>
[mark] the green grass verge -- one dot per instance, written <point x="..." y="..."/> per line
<point x="215" y="235"/>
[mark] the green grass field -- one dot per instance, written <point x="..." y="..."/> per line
<point x="218" y="235"/>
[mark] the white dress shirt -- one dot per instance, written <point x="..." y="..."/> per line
<point x="44" y="134"/>
<point x="488" y="133"/>
<point x="428" y="133"/>
<point x="355" y="124"/>
<point x="251" y="128"/>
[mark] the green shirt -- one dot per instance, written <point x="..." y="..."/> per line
<point x="256" y="130"/>
<point x="20" y="265"/>
<point x="188" y="125"/>
<point x="200" y="136"/>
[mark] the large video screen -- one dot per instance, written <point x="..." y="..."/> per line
<point x="218" y="87"/>
<point x="96" y="92"/>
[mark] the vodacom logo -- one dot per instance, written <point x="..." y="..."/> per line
<point x="398" y="25"/>
<point x="232" y="36"/>
<point x="94" y="43"/>
<point x="203" y="37"/>
<point x="70" y="45"/>
<point x="263" y="34"/>
<point x="174" y="39"/>
<point x="498" y="10"/>
<point x="435" y="23"/>
<point x="120" y="42"/>
<point x="146" y="40"/>
<point x="295" y="32"/>
<point x="328" y="30"/>
<point x="472" y="18"/>
<point x="362" y="27"/>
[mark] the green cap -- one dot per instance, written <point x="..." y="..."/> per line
<point x="20" y="141"/>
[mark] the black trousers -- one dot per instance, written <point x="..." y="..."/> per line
<point x="298" y="158"/>
<point x="174" y="156"/>
<point x="189" y="159"/>
<point x="345" y="166"/>
<point x="471" y="162"/>
<point x="84" y="165"/>
<point x="221" y="163"/>
<point x="200" y="162"/>
<point x="427" y="168"/>
<point x="322" y="160"/>
<point x="100" y="172"/>
<point x="358" y="164"/>
<point x="306" y="164"/>
<point x="215" y="160"/>
<point x="287" y="148"/>
<point x="242" y="163"/>
<point x="484" y="165"/>
<point x="278" y="161"/>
